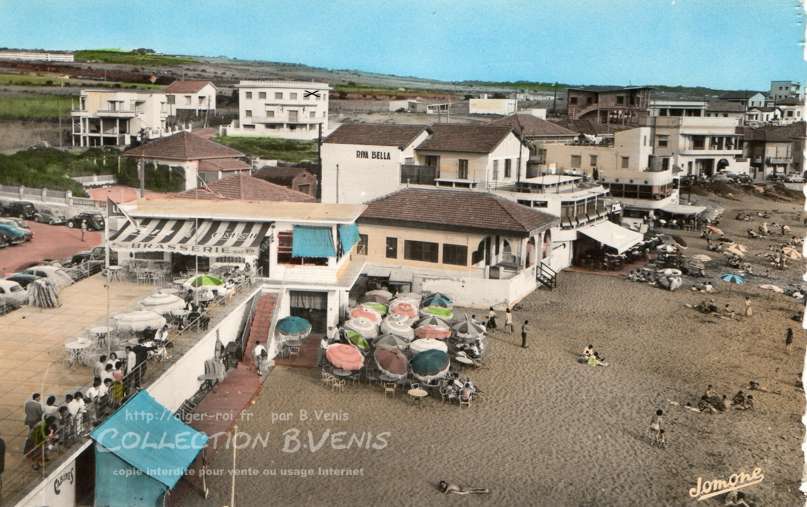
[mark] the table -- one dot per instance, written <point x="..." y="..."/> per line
<point x="75" y="351"/>
<point x="115" y="273"/>
<point x="342" y="373"/>
<point x="417" y="394"/>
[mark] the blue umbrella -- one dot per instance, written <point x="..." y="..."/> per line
<point x="732" y="278"/>
<point x="293" y="327"/>
<point x="438" y="299"/>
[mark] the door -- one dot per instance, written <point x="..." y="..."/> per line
<point x="292" y="116"/>
<point x="312" y="306"/>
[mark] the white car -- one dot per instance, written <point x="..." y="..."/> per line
<point x="794" y="178"/>
<point x="55" y="274"/>
<point x="12" y="293"/>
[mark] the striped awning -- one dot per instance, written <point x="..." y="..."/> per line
<point x="205" y="238"/>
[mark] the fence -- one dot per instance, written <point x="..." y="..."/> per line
<point x="47" y="197"/>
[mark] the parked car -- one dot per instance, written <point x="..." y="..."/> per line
<point x="794" y="178"/>
<point x="95" y="221"/>
<point x="15" y="235"/>
<point x="19" y="225"/>
<point x="55" y="274"/>
<point x="22" y="209"/>
<point x="742" y="179"/>
<point x="23" y="278"/>
<point x="12" y="293"/>
<point x="5" y="240"/>
<point x="96" y="254"/>
<point x="49" y="217"/>
<point x="775" y="178"/>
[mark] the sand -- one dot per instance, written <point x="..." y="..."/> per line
<point x="548" y="431"/>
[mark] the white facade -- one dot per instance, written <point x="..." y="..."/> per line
<point x="791" y="114"/>
<point x="357" y="173"/>
<point x="502" y="107"/>
<point x="784" y="90"/>
<point x="200" y="101"/>
<point x="662" y="107"/>
<point x="116" y="118"/>
<point x="700" y="146"/>
<point x="283" y="109"/>
<point x="36" y="56"/>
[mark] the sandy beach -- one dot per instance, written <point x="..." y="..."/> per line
<point x="547" y="430"/>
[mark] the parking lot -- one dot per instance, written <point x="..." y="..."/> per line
<point x="49" y="242"/>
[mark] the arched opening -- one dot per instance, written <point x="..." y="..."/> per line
<point x="722" y="164"/>
<point x="532" y="251"/>
<point x="547" y="246"/>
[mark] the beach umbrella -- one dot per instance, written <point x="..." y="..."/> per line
<point x="447" y="314"/>
<point x="356" y="339"/>
<point x="773" y="288"/>
<point x="391" y="362"/>
<point x="138" y="321"/>
<point x="365" y="312"/>
<point x="468" y="330"/>
<point x="666" y="249"/>
<point x="381" y="308"/>
<point x="162" y="303"/>
<point x="432" y="327"/>
<point x="293" y="327"/>
<point x="437" y="299"/>
<point x="422" y="344"/>
<point x="42" y="294"/>
<point x="382" y="296"/>
<point x="344" y="356"/>
<point x="391" y="341"/>
<point x="791" y="253"/>
<point x="429" y="365"/>
<point x="712" y="230"/>
<point x="406" y="308"/>
<point x="398" y="326"/>
<point x="205" y="280"/>
<point x="364" y="327"/>
<point x="736" y="249"/>
<point x="701" y="258"/>
<point x="678" y="239"/>
<point x="412" y="297"/>
<point x="732" y="278"/>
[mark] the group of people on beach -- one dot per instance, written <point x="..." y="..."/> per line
<point x="591" y="357"/>
<point x="711" y="402"/>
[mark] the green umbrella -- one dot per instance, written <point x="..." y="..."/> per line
<point x="438" y="311"/>
<point x="379" y="307"/>
<point x="206" y="281"/>
<point x="357" y="339"/>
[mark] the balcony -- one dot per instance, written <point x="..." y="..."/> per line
<point x="116" y="113"/>
<point x="418" y="174"/>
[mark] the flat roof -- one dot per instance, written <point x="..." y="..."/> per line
<point x="551" y="179"/>
<point x="252" y="211"/>
<point x="283" y="84"/>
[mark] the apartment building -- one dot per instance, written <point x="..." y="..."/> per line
<point x="725" y="109"/>
<point x="785" y="90"/>
<point x="283" y="109"/>
<point x="626" y="106"/>
<point x="747" y="99"/>
<point x="776" y="150"/>
<point x="192" y="96"/>
<point x="118" y="118"/>
<point x="536" y="132"/>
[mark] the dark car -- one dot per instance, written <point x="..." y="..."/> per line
<point x="22" y="209"/>
<point x="16" y="235"/>
<point x="24" y="279"/>
<point x="44" y="216"/>
<point x="94" y="221"/>
<point x="5" y="240"/>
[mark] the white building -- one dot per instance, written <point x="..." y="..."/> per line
<point x="784" y="90"/>
<point x="361" y="162"/>
<point x="116" y="118"/>
<point x="667" y="107"/>
<point x="36" y="56"/>
<point x="501" y="107"/>
<point x="193" y="96"/>
<point x="748" y="99"/>
<point x="283" y="109"/>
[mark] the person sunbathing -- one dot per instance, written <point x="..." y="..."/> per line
<point x="739" y="399"/>
<point x="588" y="351"/>
<point x="447" y="488"/>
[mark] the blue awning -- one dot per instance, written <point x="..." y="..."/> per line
<point x="348" y="236"/>
<point x="312" y="242"/>
<point x="150" y="438"/>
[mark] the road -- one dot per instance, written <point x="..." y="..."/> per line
<point x="49" y="242"/>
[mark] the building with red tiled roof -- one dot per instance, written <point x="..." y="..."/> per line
<point x="302" y="177"/>
<point x="195" y="156"/>
<point x="246" y="188"/>
<point x="191" y="96"/>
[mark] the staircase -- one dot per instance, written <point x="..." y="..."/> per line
<point x="546" y="276"/>
<point x="264" y="309"/>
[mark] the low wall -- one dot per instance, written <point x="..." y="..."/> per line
<point x="481" y="292"/>
<point x="49" y="199"/>
<point x="179" y="382"/>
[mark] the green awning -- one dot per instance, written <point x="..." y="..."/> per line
<point x="312" y="242"/>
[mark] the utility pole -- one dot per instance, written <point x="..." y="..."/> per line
<point x="141" y="174"/>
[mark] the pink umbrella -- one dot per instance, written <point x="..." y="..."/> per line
<point x="432" y="327"/>
<point x="366" y="312"/>
<point x="345" y="357"/>
<point x="404" y="308"/>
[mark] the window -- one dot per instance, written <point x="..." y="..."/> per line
<point x="542" y="155"/>
<point x="508" y="167"/>
<point x="663" y="141"/>
<point x="495" y="170"/>
<point x="188" y="100"/>
<point x="392" y="248"/>
<point x="698" y="142"/>
<point x="593" y="160"/>
<point x="248" y="113"/>
<point x="665" y="164"/>
<point x="421" y="251"/>
<point x="462" y="169"/>
<point x="261" y="95"/>
<point x="362" y="248"/>
<point x="573" y="101"/>
<point x="312" y="114"/>
<point x="279" y="95"/>
<point x="625" y="162"/>
<point x="284" y="247"/>
<point x="293" y="96"/>
<point x="620" y="100"/>
<point x="248" y="95"/>
<point x="577" y="160"/>
<point x="270" y="114"/>
<point x="455" y="254"/>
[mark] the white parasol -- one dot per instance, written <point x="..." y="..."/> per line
<point x="162" y="303"/>
<point x="138" y="321"/>
<point x="398" y="326"/>
<point x="364" y="327"/>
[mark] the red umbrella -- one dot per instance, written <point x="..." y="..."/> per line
<point x="345" y="357"/>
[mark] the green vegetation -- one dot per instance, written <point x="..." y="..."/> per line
<point x="34" y="107"/>
<point x="517" y="85"/>
<point x="130" y="57"/>
<point x="53" y="80"/>
<point x="356" y="88"/>
<point x="51" y="168"/>
<point x="271" y="148"/>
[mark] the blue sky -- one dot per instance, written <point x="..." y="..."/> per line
<point x="718" y="43"/>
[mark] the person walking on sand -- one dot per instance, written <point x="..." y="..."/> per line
<point x="748" y="310"/>
<point x="508" y="320"/>
<point x="491" y="319"/>
<point x="259" y="352"/>
<point x="525" y="328"/>
<point x="789" y="340"/>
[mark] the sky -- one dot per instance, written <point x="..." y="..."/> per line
<point x="727" y="44"/>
